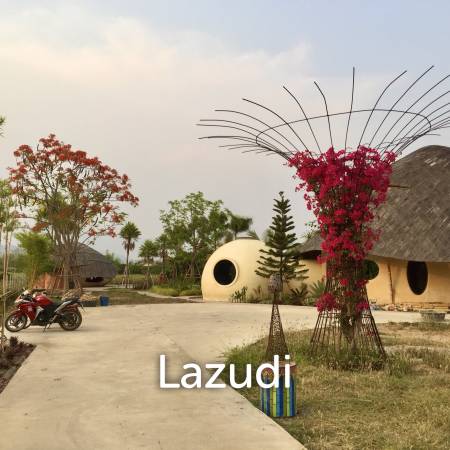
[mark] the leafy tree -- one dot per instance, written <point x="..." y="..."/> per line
<point x="8" y="223"/>
<point x="162" y="243"/>
<point x="192" y="227"/>
<point x="38" y="254"/>
<point x="281" y="257"/>
<point x="72" y="196"/>
<point x="267" y="235"/>
<point x="2" y="122"/>
<point x="114" y="259"/>
<point x="238" y="224"/>
<point x="130" y="234"/>
<point x="147" y="251"/>
<point x="218" y="219"/>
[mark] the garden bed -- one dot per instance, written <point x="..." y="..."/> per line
<point x="406" y="405"/>
<point x="14" y="354"/>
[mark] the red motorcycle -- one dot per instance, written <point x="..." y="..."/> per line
<point x="35" y="308"/>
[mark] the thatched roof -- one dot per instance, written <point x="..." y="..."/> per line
<point x="415" y="220"/>
<point x="92" y="263"/>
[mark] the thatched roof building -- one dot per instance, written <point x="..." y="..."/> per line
<point x="415" y="220"/>
<point x="93" y="267"/>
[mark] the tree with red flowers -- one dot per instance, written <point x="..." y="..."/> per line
<point x="72" y="196"/>
<point x="344" y="189"/>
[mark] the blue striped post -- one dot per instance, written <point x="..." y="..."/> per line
<point x="279" y="401"/>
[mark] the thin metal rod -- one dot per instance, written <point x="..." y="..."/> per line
<point x="280" y="117"/>
<point x="398" y="100"/>
<point x="245" y="125"/>
<point x="256" y="119"/>
<point x="326" y="109"/>
<point x="304" y="114"/>
<point x="351" y="107"/>
<point x="376" y="103"/>
<point x="413" y="104"/>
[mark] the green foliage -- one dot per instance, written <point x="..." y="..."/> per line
<point x="136" y="268"/>
<point x="114" y="259"/>
<point x="38" y="254"/>
<point x="192" y="229"/>
<point x="130" y="234"/>
<point x="347" y="409"/>
<point x="238" y="224"/>
<point x="239" y="296"/>
<point x="281" y="257"/>
<point x="371" y="269"/>
<point x="299" y="295"/>
<point x="312" y="229"/>
<point x="165" y="290"/>
<point x="8" y="213"/>
<point x="191" y="291"/>
<point x="252" y="234"/>
<point x="316" y="289"/>
<point x="148" y="250"/>
<point x="267" y="236"/>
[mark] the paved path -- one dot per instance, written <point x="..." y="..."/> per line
<point x="98" y="388"/>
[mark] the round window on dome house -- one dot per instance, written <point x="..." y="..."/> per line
<point x="224" y="272"/>
<point x="371" y="269"/>
<point x="417" y="274"/>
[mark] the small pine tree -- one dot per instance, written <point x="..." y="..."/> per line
<point x="281" y="257"/>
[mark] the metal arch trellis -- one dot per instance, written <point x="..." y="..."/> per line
<point x="427" y="112"/>
<point x="252" y="134"/>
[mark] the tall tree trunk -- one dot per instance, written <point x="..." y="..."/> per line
<point x="66" y="272"/>
<point x="147" y="276"/>
<point x="126" y="267"/>
<point x="5" y="288"/>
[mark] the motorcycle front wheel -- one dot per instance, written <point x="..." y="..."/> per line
<point x="70" y="321"/>
<point x="15" y="322"/>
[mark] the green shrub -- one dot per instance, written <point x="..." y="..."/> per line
<point x="299" y="295"/>
<point x="316" y="289"/>
<point x="191" y="291"/>
<point x="163" y="290"/>
<point x="239" y="296"/>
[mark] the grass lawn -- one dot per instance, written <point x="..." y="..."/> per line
<point x="122" y="296"/>
<point x="404" y="406"/>
<point x="176" y="291"/>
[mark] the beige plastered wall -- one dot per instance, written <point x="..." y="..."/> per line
<point x="379" y="289"/>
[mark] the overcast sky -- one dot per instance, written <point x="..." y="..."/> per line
<point x="128" y="81"/>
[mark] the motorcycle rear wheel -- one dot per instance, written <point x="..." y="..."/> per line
<point x="15" y="322"/>
<point x="70" y="321"/>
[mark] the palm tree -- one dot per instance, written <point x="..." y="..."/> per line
<point x="238" y="224"/>
<point x="253" y="234"/>
<point x="147" y="251"/>
<point x="130" y="234"/>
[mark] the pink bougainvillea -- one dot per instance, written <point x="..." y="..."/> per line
<point x="343" y="189"/>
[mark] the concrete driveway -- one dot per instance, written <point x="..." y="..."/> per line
<point x="98" y="387"/>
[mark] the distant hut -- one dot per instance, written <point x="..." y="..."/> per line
<point x="93" y="268"/>
<point x="411" y="260"/>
